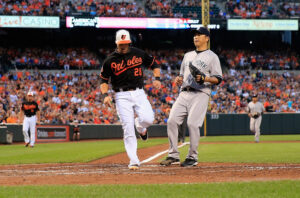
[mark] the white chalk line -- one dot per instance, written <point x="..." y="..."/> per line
<point x="161" y="153"/>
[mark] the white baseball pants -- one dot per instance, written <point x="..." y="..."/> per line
<point x="29" y="123"/>
<point x="128" y="103"/>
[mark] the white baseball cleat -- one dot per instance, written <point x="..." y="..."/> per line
<point x="134" y="167"/>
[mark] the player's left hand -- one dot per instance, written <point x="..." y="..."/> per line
<point x="200" y="78"/>
<point x="157" y="84"/>
<point x="108" y="101"/>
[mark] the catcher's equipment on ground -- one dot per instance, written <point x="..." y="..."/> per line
<point x="194" y="71"/>
<point x="255" y="115"/>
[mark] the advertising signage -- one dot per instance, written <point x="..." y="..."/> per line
<point x="135" y="23"/>
<point x="263" y="24"/>
<point x="29" y="22"/>
<point x="82" y="22"/>
<point x="55" y="133"/>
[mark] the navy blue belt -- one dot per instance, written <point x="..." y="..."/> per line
<point x="189" y="89"/>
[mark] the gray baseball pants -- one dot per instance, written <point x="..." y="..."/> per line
<point x="192" y="105"/>
<point x="255" y="127"/>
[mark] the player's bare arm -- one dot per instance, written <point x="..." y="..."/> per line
<point x="21" y="116"/>
<point x="107" y="99"/>
<point x="156" y="82"/>
<point x="212" y="79"/>
<point x="38" y="120"/>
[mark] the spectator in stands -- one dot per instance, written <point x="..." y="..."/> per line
<point x="3" y="114"/>
<point x="107" y="8"/>
<point x="251" y="9"/>
<point x="31" y="7"/>
<point x="64" y="97"/>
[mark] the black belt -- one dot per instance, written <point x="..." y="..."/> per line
<point x="127" y="89"/>
<point x="29" y="116"/>
<point x="189" y="89"/>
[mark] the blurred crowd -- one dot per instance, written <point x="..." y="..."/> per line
<point x="107" y="8"/>
<point x="252" y="9"/>
<point x="67" y="7"/>
<point x="278" y="92"/>
<point x="290" y="9"/>
<point x="65" y="97"/>
<point x="31" y="7"/>
<point x="261" y="9"/>
<point x="83" y="58"/>
<point x="50" y="58"/>
<point x="253" y="59"/>
<point x="179" y="8"/>
<point x="163" y="8"/>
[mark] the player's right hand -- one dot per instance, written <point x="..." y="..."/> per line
<point x="179" y="80"/>
<point x="108" y="101"/>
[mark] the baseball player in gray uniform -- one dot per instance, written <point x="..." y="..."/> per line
<point x="255" y="110"/>
<point x="200" y="69"/>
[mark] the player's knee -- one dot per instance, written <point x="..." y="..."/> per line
<point x="171" y="121"/>
<point x="129" y="136"/>
<point x="149" y="119"/>
<point x="192" y="125"/>
<point x="146" y="121"/>
<point x="128" y="129"/>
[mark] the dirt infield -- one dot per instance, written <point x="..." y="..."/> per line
<point x="113" y="170"/>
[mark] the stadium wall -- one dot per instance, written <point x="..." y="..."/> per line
<point x="217" y="124"/>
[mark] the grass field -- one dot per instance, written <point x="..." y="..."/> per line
<point x="250" y="138"/>
<point x="248" y="153"/>
<point x="87" y="151"/>
<point x="274" y="189"/>
<point x="66" y="152"/>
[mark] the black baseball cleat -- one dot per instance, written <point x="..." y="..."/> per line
<point x="144" y="137"/>
<point x="169" y="161"/>
<point x="181" y="140"/>
<point x="26" y="144"/>
<point x="189" y="162"/>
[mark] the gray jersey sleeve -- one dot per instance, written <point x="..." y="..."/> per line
<point x="262" y="108"/>
<point x="248" y="108"/>
<point x="182" y="67"/>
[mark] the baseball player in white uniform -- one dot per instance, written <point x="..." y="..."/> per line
<point x="124" y="69"/>
<point x="255" y="110"/>
<point x="193" y="99"/>
<point x="32" y="116"/>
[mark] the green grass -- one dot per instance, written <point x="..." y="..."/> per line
<point x="230" y="152"/>
<point x="248" y="153"/>
<point x="273" y="189"/>
<point x="250" y="138"/>
<point x="263" y="152"/>
<point x="66" y="152"/>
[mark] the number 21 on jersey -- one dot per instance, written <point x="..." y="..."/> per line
<point x="137" y="71"/>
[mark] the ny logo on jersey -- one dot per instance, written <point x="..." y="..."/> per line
<point x="123" y="37"/>
<point x="200" y="63"/>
